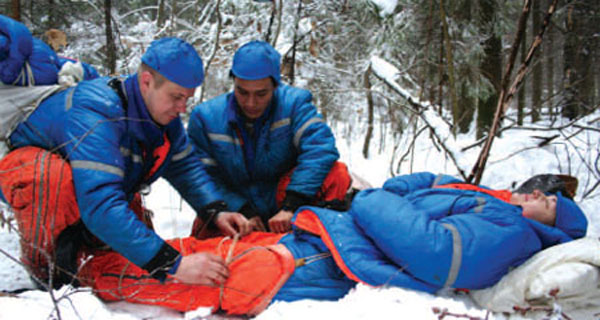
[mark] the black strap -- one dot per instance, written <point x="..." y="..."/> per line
<point x="117" y="85"/>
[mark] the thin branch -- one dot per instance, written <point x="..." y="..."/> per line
<point x="215" y="47"/>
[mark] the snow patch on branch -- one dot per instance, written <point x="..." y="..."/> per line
<point x="386" y="7"/>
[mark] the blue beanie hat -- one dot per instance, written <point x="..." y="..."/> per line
<point x="569" y="217"/>
<point x="256" y="60"/>
<point x="175" y="60"/>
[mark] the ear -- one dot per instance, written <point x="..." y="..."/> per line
<point x="146" y="80"/>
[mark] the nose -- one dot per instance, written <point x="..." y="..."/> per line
<point x="251" y="101"/>
<point x="181" y="105"/>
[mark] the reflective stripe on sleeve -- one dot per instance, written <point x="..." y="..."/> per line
<point x="223" y="138"/>
<point x="480" y="204"/>
<point x="209" y="161"/>
<point x="98" y="166"/>
<point x="182" y="154"/>
<point x="456" y="255"/>
<point x="300" y="132"/>
<point x="280" y="123"/>
<point x="69" y="99"/>
<point x="437" y="180"/>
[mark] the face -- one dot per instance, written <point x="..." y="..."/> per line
<point x="537" y="206"/>
<point x="253" y="96"/>
<point x="164" y="101"/>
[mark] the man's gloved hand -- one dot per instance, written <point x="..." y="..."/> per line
<point x="281" y="222"/>
<point x="202" y="269"/>
<point x="231" y="223"/>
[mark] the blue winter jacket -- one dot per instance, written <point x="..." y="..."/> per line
<point x="25" y="60"/>
<point x="247" y="168"/>
<point x="110" y="148"/>
<point x="411" y="235"/>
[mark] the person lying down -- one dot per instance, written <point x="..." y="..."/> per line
<point x="419" y="231"/>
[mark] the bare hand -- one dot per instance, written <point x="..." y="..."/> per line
<point x="281" y="222"/>
<point x="256" y="224"/>
<point x="202" y="268"/>
<point x="231" y="223"/>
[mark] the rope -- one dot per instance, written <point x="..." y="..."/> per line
<point x="310" y="259"/>
<point x="227" y="261"/>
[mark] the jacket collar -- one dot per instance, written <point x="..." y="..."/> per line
<point x="139" y="120"/>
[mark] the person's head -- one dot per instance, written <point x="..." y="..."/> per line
<point x="553" y="210"/>
<point x="256" y="74"/>
<point x="171" y="70"/>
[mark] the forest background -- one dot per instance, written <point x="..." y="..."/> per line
<point x="538" y="59"/>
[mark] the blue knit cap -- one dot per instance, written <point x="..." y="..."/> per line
<point x="176" y="60"/>
<point x="569" y="217"/>
<point x="256" y="60"/>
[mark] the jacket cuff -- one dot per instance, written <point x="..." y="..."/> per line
<point x="248" y="211"/>
<point x="209" y="212"/>
<point x="294" y="200"/>
<point x="162" y="262"/>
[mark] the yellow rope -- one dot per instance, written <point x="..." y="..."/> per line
<point x="227" y="261"/>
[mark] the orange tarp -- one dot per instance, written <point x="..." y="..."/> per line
<point x="258" y="268"/>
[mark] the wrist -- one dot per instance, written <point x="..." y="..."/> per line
<point x="248" y="211"/>
<point x="210" y="211"/>
<point x="293" y="200"/>
<point x="162" y="262"/>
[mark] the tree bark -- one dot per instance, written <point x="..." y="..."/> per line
<point x="491" y="67"/>
<point x="467" y="105"/>
<point x="536" y="81"/>
<point x="369" y="134"/>
<point x="161" y="17"/>
<point x="16" y="9"/>
<point x="549" y="66"/>
<point x="111" y="55"/>
<point x="296" y="29"/>
<point x="522" y="96"/>
<point x="577" y="59"/>
<point x="51" y="23"/>
<point x="450" y="69"/>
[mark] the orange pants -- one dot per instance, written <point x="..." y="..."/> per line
<point x="39" y="188"/>
<point x="258" y="268"/>
<point x="334" y="187"/>
<point x="38" y="185"/>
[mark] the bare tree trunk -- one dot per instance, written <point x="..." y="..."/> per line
<point x="51" y="23"/>
<point x="549" y="66"/>
<point x="441" y="76"/>
<point x="450" y="68"/>
<point x="577" y="54"/>
<point x="16" y="9"/>
<point x="467" y="105"/>
<point x="293" y="62"/>
<point x="426" y="66"/>
<point x="279" y="20"/>
<point x="111" y="55"/>
<point x="369" y="113"/>
<point x="173" y="17"/>
<point x="521" y="100"/>
<point x="491" y="66"/>
<point x="536" y="81"/>
<point x="215" y="47"/>
<point x="161" y="17"/>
